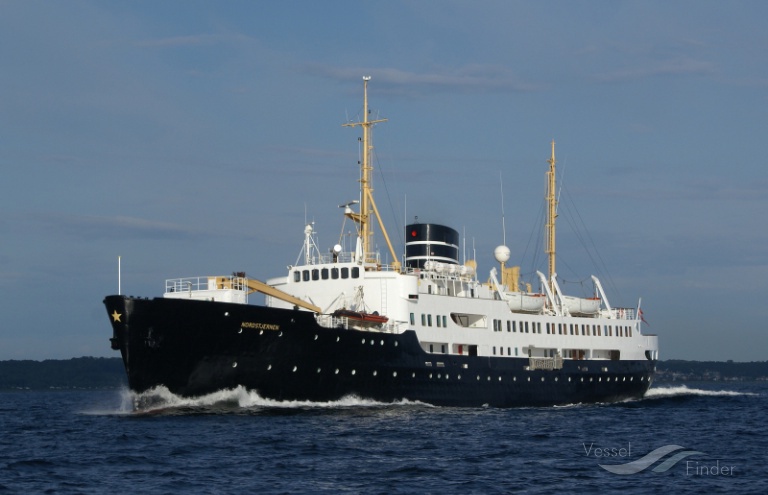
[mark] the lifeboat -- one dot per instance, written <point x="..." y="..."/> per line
<point x="360" y="317"/>
<point x="524" y="302"/>
<point x="581" y="305"/>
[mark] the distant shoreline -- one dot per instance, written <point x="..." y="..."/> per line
<point x="109" y="373"/>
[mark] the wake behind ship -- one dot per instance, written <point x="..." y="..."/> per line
<point x="344" y="323"/>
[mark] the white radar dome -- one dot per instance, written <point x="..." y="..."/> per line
<point x="337" y="249"/>
<point x="501" y="253"/>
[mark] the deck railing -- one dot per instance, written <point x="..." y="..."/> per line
<point x="189" y="284"/>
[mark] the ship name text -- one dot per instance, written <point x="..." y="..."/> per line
<point x="260" y="326"/>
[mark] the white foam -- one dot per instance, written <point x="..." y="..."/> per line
<point x="161" y="398"/>
<point x="683" y="390"/>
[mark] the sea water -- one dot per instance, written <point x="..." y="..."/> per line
<point x="694" y="438"/>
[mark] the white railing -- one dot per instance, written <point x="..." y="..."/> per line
<point x="623" y="313"/>
<point x="190" y="284"/>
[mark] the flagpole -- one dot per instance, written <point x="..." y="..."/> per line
<point x="119" y="281"/>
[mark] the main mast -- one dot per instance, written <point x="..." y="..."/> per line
<point x="367" y="204"/>
<point x="551" y="214"/>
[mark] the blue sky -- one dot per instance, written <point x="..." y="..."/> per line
<point x="195" y="138"/>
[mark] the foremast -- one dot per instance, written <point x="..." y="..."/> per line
<point x="364" y="219"/>
<point x="551" y="216"/>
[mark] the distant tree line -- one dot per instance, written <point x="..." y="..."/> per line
<point x="84" y="372"/>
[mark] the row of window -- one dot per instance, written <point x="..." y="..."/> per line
<point x="441" y="321"/>
<point x="563" y="328"/>
<point x="325" y="274"/>
<point x="501" y="351"/>
<point x="514" y="326"/>
<point x="593" y="330"/>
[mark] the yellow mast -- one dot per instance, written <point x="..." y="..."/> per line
<point x="367" y="204"/>
<point x="551" y="214"/>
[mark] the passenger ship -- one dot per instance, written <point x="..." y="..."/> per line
<point x="343" y="323"/>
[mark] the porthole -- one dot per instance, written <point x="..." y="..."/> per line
<point x="514" y="378"/>
<point x="337" y="371"/>
<point x="413" y="375"/>
<point x="590" y="378"/>
<point x="315" y="336"/>
<point x="478" y="377"/>
<point x="354" y="372"/>
<point x="295" y="368"/>
<point x="261" y="332"/>
<point x="499" y="378"/>
<point x="430" y="376"/>
<point x="582" y="378"/>
<point x="569" y="378"/>
<point x="382" y="342"/>
<point x="439" y="375"/>
<point x="458" y="377"/>
<point x="394" y="374"/>
<point x="234" y="365"/>
<point x="529" y="378"/>
<point x="318" y="370"/>
<point x="489" y="378"/>
<point x="337" y="339"/>
<point x="363" y="341"/>
<point x="372" y="342"/>
<point x="396" y="344"/>
<point x="280" y="334"/>
<point x="240" y="331"/>
<point x="375" y="372"/>
<point x="269" y="367"/>
<point x="600" y="379"/>
<point x="226" y="313"/>
<point x="556" y="378"/>
<point x="542" y="378"/>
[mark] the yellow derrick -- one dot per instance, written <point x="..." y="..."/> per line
<point x="257" y="286"/>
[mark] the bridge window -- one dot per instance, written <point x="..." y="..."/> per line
<point x="324" y="273"/>
<point x="315" y="274"/>
<point x="355" y="272"/>
<point x="297" y="276"/>
<point x="305" y="275"/>
<point x="334" y="273"/>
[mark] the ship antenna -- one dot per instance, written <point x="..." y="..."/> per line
<point x="503" y="226"/>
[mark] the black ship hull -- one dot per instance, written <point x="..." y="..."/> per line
<point x="197" y="347"/>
